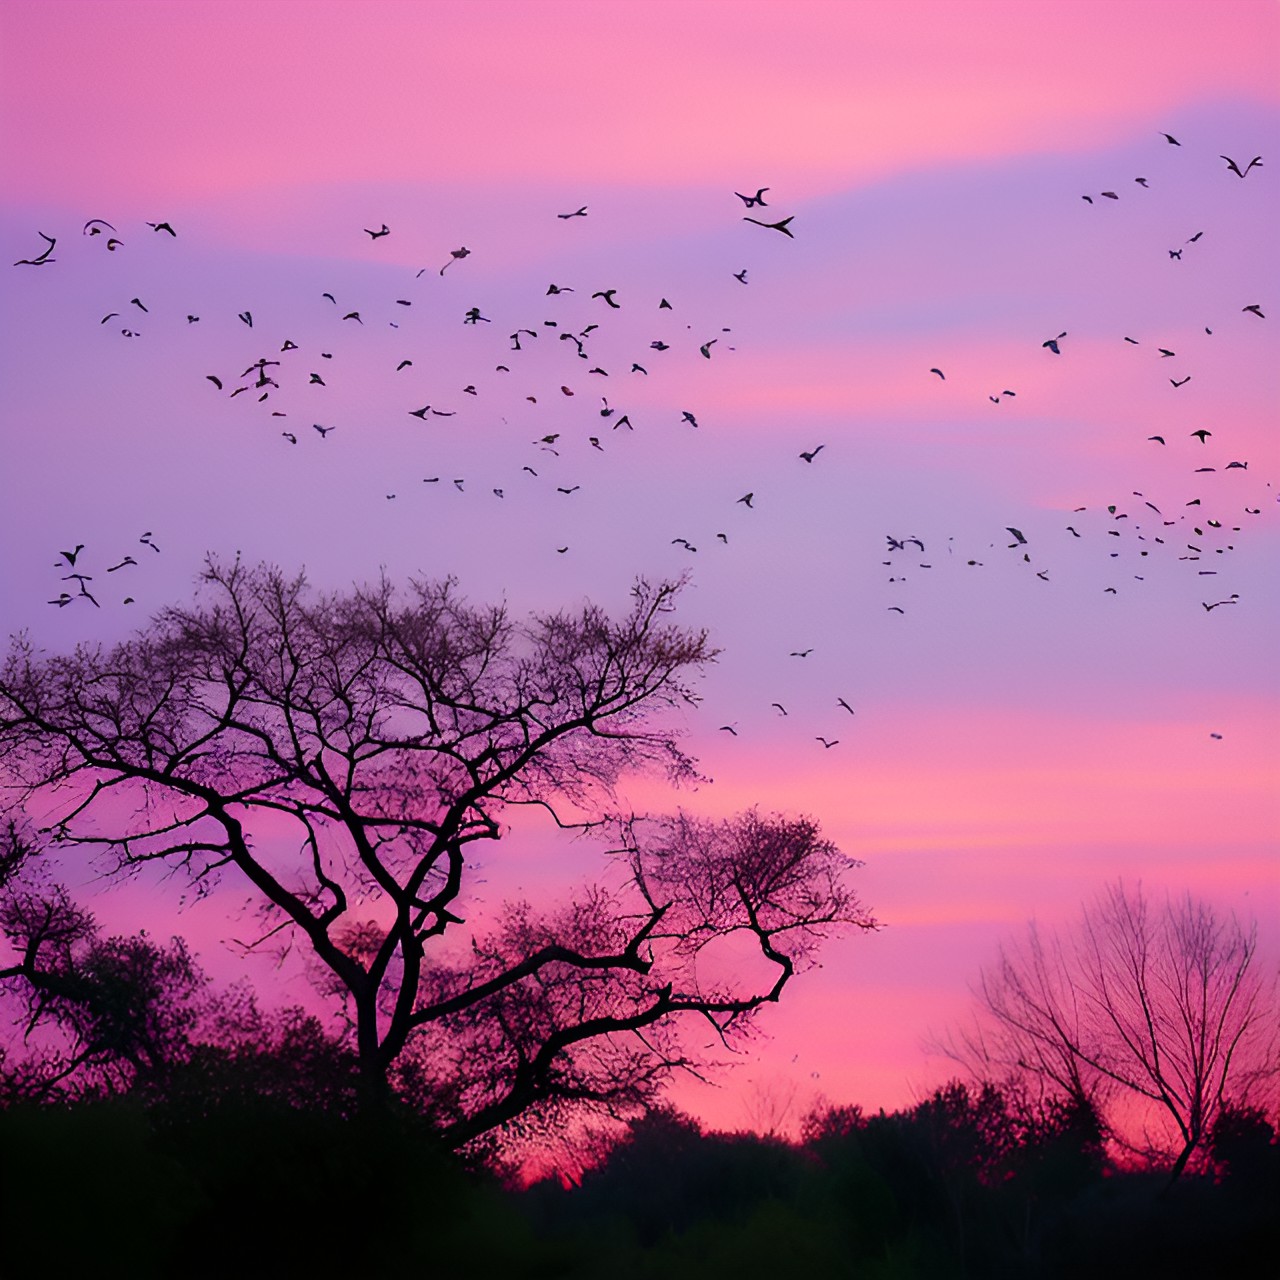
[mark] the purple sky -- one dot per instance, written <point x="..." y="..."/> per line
<point x="1018" y="740"/>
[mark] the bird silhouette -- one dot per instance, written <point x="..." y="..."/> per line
<point x="1171" y="140"/>
<point x="1202" y="434"/>
<point x="44" y="257"/>
<point x="377" y="235"/>
<point x="747" y="497"/>
<point x="1235" y="168"/>
<point x="840" y="702"/>
<point x="1052" y="343"/>
<point x="834" y="742"/>
<point x="741" y="275"/>
<point x="1256" y="308"/>
<point x="577" y="213"/>
<point x="163" y="226"/>
<point x="800" y="653"/>
<point x="1185" y="380"/>
<point x="809" y="455"/>
<point x="752" y="201"/>
<point x="607" y="295"/>
<point x="784" y="226"/>
<point x="454" y="256"/>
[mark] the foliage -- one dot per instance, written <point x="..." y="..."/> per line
<point x="338" y="756"/>
<point x="1163" y="1008"/>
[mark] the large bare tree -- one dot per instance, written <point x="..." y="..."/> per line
<point x="1164" y="1007"/>
<point x="340" y="755"/>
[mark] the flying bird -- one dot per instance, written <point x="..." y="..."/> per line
<point x="377" y="235"/>
<point x="746" y="497"/>
<point x="1171" y="140"/>
<point x="1176" y="383"/>
<point x="454" y="256"/>
<point x="840" y="702"/>
<point x="741" y="276"/>
<point x="577" y="213"/>
<point x="1256" y="308"/>
<point x="1235" y="168"/>
<point x="783" y="226"/>
<point x="752" y="201"/>
<point x="162" y="226"/>
<point x="607" y="295"/>
<point x="809" y="455"/>
<point x="43" y="258"/>
<point x="800" y="653"/>
<point x="835" y="742"/>
<point x="1052" y="343"/>
<point x="940" y="374"/>
<point x="1202" y="434"/>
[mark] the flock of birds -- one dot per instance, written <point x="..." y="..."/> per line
<point x="289" y="378"/>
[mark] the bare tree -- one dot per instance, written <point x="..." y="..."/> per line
<point x="340" y="755"/>
<point x="1163" y="1007"/>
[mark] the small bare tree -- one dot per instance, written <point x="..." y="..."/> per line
<point x="1166" y="1008"/>
<point x="341" y="755"/>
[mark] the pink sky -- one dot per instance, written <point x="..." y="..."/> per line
<point x="1017" y="741"/>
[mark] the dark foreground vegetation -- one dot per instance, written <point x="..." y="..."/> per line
<point x="960" y="1185"/>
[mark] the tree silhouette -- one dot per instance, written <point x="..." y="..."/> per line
<point x="340" y="755"/>
<point x="1163" y="1007"/>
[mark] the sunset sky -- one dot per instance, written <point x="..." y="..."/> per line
<point x="1022" y="733"/>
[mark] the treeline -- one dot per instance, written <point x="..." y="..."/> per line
<point x="968" y="1183"/>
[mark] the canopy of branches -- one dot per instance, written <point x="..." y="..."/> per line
<point x="336" y="756"/>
